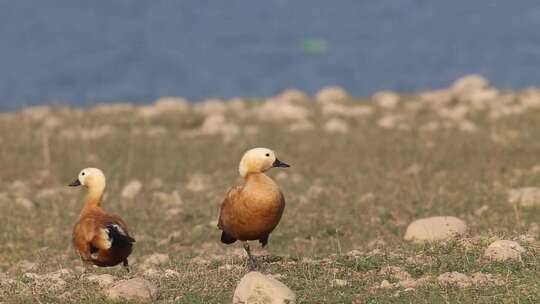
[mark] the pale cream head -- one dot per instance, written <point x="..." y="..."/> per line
<point x="259" y="160"/>
<point x="91" y="178"/>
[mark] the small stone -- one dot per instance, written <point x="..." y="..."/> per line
<point x="339" y="283"/>
<point x="211" y="106"/>
<point x="256" y="287"/>
<point x="435" y="229"/>
<point x="24" y="202"/>
<point x="212" y="124"/>
<point x="481" y="210"/>
<point x="503" y="250"/>
<point x="26" y="266"/>
<point x="336" y="125"/>
<point x="525" y="197"/>
<point x="388" y="121"/>
<point x="133" y="289"/>
<point x="171" y="105"/>
<point x="331" y="94"/>
<point x="469" y="83"/>
<point x="385" y="284"/>
<point x="103" y="280"/>
<point x="170" y="273"/>
<point x="198" y="182"/>
<point x="157" y="259"/>
<point x="454" y="278"/>
<point x="300" y="126"/>
<point x="273" y="110"/>
<point x="386" y="99"/>
<point x="292" y="96"/>
<point x="131" y="189"/>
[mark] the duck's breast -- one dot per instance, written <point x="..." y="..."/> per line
<point x="256" y="213"/>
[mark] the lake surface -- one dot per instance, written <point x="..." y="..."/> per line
<point x="83" y="52"/>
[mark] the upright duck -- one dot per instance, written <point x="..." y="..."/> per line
<point x="252" y="211"/>
<point x="100" y="238"/>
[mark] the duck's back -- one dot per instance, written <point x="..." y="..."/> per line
<point x="102" y="238"/>
<point x="252" y="211"/>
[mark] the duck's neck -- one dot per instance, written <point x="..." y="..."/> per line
<point x="94" y="197"/>
<point x="259" y="178"/>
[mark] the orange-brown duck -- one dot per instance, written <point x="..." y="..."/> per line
<point x="252" y="211"/>
<point x="100" y="238"/>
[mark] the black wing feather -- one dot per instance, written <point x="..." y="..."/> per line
<point x="118" y="237"/>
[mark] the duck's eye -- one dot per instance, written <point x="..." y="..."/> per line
<point x="82" y="173"/>
<point x="267" y="154"/>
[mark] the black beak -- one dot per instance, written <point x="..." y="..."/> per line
<point x="75" y="183"/>
<point x="279" y="164"/>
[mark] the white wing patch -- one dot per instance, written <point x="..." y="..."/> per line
<point x="104" y="235"/>
<point x="119" y="229"/>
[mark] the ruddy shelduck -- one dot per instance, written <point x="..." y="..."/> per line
<point x="252" y="211"/>
<point x="100" y="238"/>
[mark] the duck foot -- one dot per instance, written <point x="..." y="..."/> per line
<point x="252" y="264"/>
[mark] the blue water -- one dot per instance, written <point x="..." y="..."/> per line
<point x="81" y="52"/>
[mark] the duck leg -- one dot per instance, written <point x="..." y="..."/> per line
<point x="250" y="257"/>
<point x="87" y="266"/>
<point x="125" y="263"/>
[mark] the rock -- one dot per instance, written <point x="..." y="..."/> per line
<point x="331" y="94"/>
<point x="171" y="105"/>
<point x="273" y="110"/>
<point x="131" y="189"/>
<point x="336" y="125"/>
<point x="395" y="272"/>
<point x="339" y="283"/>
<point x="197" y="182"/>
<point x="36" y="113"/>
<point x="103" y="280"/>
<point x="113" y="108"/>
<point x="133" y="289"/>
<point x="530" y="98"/>
<point x="345" y="110"/>
<point x="157" y="259"/>
<point x="171" y="273"/>
<point x="212" y="124"/>
<point x="236" y="104"/>
<point x="467" y="126"/>
<point x="156" y="131"/>
<point x="503" y="250"/>
<point x="389" y="121"/>
<point x="525" y="197"/>
<point x="462" y="280"/>
<point x="483" y="209"/>
<point x="148" y="112"/>
<point x="436" y="98"/>
<point x="301" y="125"/>
<point x="24" y="202"/>
<point x="95" y="133"/>
<point x="469" y="83"/>
<point x="435" y="229"/>
<point x="454" y="278"/>
<point x="211" y="107"/>
<point x="255" y="287"/>
<point x="386" y="99"/>
<point x="385" y="284"/>
<point x="292" y="96"/>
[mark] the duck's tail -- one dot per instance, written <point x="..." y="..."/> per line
<point x="227" y="239"/>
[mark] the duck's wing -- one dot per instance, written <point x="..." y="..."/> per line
<point x="104" y="232"/>
<point x="227" y="203"/>
<point x="117" y="231"/>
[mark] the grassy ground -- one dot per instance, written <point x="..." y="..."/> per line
<point x="351" y="192"/>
